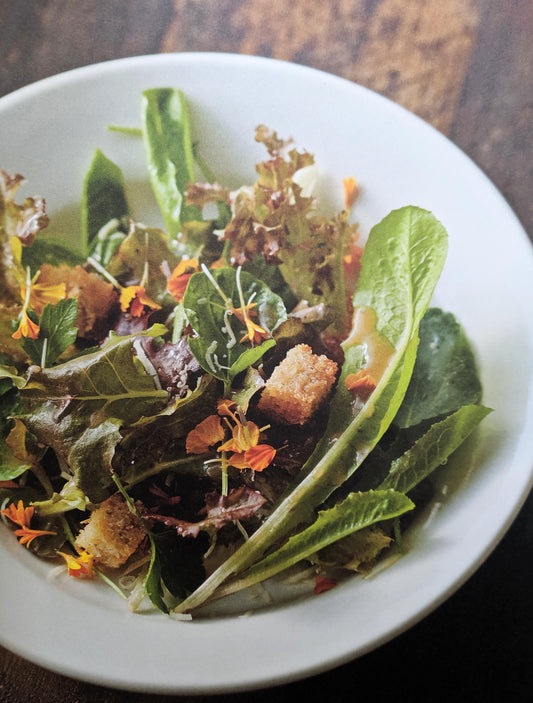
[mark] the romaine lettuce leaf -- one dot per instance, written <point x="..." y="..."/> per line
<point x="104" y="198"/>
<point x="433" y="448"/>
<point x="355" y="512"/>
<point x="169" y="154"/>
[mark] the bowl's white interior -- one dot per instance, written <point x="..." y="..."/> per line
<point x="49" y="132"/>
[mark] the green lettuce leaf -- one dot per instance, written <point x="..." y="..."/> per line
<point x="10" y="466"/>
<point x="78" y="407"/>
<point x="445" y="375"/>
<point x="104" y="198"/>
<point x="169" y="154"/>
<point x="433" y="448"/>
<point x="156" y="443"/>
<point x="355" y="512"/>
<point x="50" y="249"/>
<point x="144" y="244"/>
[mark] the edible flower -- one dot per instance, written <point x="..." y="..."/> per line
<point x="243" y="445"/>
<point x="27" y="327"/>
<point x="179" y="278"/>
<point x="254" y="333"/>
<point x="205" y="435"/>
<point x="256" y="457"/>
<point x="80" y="566"/>
<point x="19" y="514"/>
<point x="247" y="453"/>
<point x="22" y="516"/>
<point x="324" y="583"/>
<point x="351" y="191"/>
<point x="135" y="299"/>
<point x="41" y="294"/>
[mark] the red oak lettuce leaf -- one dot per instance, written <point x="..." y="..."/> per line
<point x="240" y="504"/>
<point x="20" y="222"/>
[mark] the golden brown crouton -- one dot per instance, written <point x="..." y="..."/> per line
<point x="112" y="533"/>
<point x="298" y="386"/>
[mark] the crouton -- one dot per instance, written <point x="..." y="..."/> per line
<point x="112" y="534"/>
<point x="298" y="386"/>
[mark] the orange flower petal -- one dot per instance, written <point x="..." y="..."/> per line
<point x="135" y="299"/>
<point x="255" y="334"/>
<point x="323" y="584"/>
<point x="238" y="460"/>
<point x="224" y="406"/>
<point x="80" y="566"/>
<point x="351" y="191"/>
<point x="205" y="435"/>
<point x="26" y="535"/>
<point x="179" y="278"/>
<point x="361" y="383"/>
<point x="244" y="313"/>
<point x="243" y="437"/>
<point x="260" y="456"/>
<point x="19" y="514"/>
<point x="27" y="328"/>
<point x="41" y="294"/>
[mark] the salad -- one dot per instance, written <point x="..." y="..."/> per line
<point x="246" y="392"/>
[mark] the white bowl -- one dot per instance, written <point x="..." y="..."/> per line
<point x="49" y="132"/>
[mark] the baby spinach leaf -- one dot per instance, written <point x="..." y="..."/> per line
<point x="402" y="262"/>
<point x="355" y="512"/>
<point x="445" y="376"/>
<point x="103" y="198"/>
<point x="169" y="154"/>
<point x="433" y="448"/>
<point x="220" y="345"/>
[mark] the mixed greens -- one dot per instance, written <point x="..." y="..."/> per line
<point x="189" y="411"/>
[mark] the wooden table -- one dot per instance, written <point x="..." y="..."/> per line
<point x="465" y="66"/>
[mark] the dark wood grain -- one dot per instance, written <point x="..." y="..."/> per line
<point x="466" y="67"/>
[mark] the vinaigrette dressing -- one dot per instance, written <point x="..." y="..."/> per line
<point x="378" y="350"/>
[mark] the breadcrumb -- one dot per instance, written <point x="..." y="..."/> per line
<point x="298" y="386"/>
<point x="112" y="533"/>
